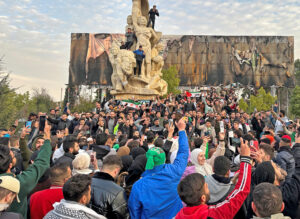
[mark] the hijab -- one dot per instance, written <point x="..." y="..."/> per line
<point x="205" y="169"/>
<point x="136" y="169"/>
<point x="135" y="152"/>
<point x="126" y="161"/>
<point x="264" y="172"/>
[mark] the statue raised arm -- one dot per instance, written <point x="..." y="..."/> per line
<point x="139" y="8"/>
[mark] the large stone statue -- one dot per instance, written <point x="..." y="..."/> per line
<point x="149" y="84"/>
<point x="144" y="34"/>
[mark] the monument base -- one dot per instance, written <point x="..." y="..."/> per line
<point x="136" y="89"/>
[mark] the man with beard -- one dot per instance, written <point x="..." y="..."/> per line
<point x="77" y="195"/>
<point x="157" y="128"/>
<point x="9" y="189"/>
<point x="194" y="192"/>
<point x="71" y="148"/>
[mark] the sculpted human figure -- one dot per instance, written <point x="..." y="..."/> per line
<point x="129" y="23"/>
<point x="139" y="8"/>
<point x="123" y="62"/>
<point x="113" y="57"/>
<point x="157" y="59"/>
<point x="144" y="34"/>
<point x="157" y="83"/>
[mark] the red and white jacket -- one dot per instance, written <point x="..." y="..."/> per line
<point x="229" y="207"/>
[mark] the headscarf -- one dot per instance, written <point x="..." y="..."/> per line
<point x="126" y="161"/>
<point x="205" y="169"/>
<point x="155" y="157"/>
<point x="194" y="156"/>
<point x="123" y="151"/>
<point x="264" y="172"/>
<point x="136" y="169"/>
<point x="136" y="152"/>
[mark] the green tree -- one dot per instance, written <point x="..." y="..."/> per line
<point x="85" y="105"/>
<point x="11" y="103"/>
<point x="295" y="102"/>
<point x="297" y="71"/>
<point x="40" y="101"/>
<point x="243" y="105"/>
<point x="171" y="76"/>
<point x="262" y="101"/>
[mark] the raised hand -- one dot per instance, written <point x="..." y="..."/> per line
<point x="181" y="124"/>
<point x="221" y="136"/>
<point x="245" y="149"/>
<point x="47" y="133"/>
<point x="171" y="129"/>
<point x="25" y="131"/>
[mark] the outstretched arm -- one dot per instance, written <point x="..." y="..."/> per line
<point x="181" y="160"/>
<point x="228" y="208"/>
<point x="30" y="177"/>
<point x="220" y="150"/>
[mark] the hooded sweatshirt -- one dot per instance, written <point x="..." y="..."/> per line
<point x="218" y="187"/>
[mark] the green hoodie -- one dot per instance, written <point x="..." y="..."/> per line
<point x="30" y="177"/>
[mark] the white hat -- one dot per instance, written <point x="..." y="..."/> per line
<point x="10" y="183"/>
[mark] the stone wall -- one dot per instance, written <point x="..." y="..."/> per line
<point x="200" y="60"/>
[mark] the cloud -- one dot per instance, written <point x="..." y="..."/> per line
<point x="35" y="35"/>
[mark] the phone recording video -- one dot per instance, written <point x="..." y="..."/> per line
<point x="42" y="123"/>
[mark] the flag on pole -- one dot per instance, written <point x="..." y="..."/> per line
<point x="131" y="103"/>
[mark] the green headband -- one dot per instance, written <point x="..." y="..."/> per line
<point x="155" y="157"/>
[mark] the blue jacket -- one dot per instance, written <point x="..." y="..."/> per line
<point x="155" y="195"/>
<point x="139" y="55"/>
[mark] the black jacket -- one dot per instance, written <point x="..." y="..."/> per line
<point x="296" y="153"/>
<point x="108" y="198"/>
<point x="101" y="151"/>
<point x="189" y="107"/>
<point x="73" y="124"/>
<point x="285" y="160"/>
<point x="61" y="124"/>
<point x="67" y="159"/>
<point x="152" y="14"/>
<point x="257" y="127"/>
<point x="290" y="189"/>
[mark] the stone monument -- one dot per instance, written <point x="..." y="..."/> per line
<point x="149" y="84"/>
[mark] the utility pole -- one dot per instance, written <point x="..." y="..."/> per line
<point x="61" y="91"/>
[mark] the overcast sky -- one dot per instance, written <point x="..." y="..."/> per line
<point x="35" y="34"/>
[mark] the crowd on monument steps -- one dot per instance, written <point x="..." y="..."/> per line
<point x="182" y="157"/>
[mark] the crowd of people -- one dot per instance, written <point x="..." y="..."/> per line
<point x="179" y="157"/>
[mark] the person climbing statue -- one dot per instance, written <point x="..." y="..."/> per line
<point x="139" y="55"/>
<point x="153" y="11"/>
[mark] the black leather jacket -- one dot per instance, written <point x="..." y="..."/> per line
<point x="108" y="198"/>
<point x="296" y="153"/>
